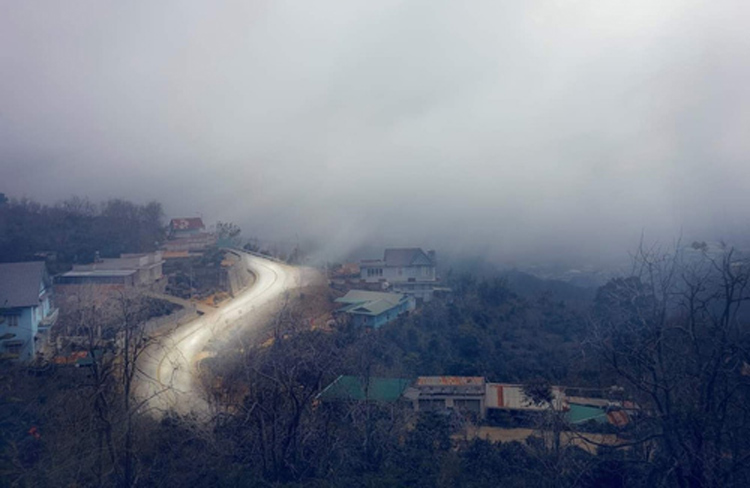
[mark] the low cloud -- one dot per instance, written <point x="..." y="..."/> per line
<point x="540" y="130"/>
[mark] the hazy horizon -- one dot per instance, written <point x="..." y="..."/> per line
<point x="540" y="130"/>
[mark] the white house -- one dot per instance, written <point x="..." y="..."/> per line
<point x="403" y="270"/>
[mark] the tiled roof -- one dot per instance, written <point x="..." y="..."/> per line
<point x="20" y="284"/>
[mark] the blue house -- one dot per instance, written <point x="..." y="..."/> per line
<point x="374" y="309"/>
<point x="26" y="309"/>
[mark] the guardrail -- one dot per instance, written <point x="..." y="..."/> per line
<point x="253" y="253"/>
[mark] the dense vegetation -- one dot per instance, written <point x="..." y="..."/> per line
<point x="673" y="336"/>
<point x="75" y="229"/>
<point x="485" y="329"/>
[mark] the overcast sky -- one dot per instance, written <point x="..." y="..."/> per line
<point x="517" y="129"/>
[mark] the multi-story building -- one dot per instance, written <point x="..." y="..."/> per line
<point x="186" y="227"/>
<point x="188" y="235"/>
<point x="403" y="270"/>
<point x="27" y="311"/>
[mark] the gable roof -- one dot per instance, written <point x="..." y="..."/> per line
<point x="353" y="388"/>
<point x="190" y="223"/>
<point x="20" y="283"/>
<point x="361" y="296"/>
<point x="411" y="256"/>
<point x="373" y="308"/>
<point x="369" y="302"/>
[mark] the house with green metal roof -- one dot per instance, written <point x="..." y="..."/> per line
<point x="374" y="309"/>
<point x="355" y="388"/>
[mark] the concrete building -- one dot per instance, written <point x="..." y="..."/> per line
<point x="474" y="397"/>
<point x="374" y="309"/>
<point x="193" y="243"/>
<point x="185" y="227"/>
<point x="27" y="310"/>
<point x="403" y="270"/>
<point x="188" y="235"/>
<point x="512" y="397"/>
<point x="129" y="270"/>
<point x="465" y="394"/>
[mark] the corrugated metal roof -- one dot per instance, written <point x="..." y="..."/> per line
<point x="362" y="296"/>
<point x="450" y="380"/>
<point x="583" y="413"/>
<point x="369" y="302"/>
<point x="374" y="308"/>
<point x="101" y="272"/>
<point x="20" y="283"/>
<point x="356" y="388"/>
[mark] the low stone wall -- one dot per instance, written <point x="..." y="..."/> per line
<point x="238" y="275"/>
<point x="172" y="319"/>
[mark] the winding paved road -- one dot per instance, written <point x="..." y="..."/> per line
<point x="167" y="378"/>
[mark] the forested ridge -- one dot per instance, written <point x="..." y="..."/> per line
<point x="74" y="230"/>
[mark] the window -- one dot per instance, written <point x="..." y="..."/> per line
<point x="12" y="320"/>
<point x="14" y="347"/>
<point x="374" y="272"/>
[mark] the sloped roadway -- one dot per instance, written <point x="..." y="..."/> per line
<point x="167" y="378"/>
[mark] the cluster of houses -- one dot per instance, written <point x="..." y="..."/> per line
<point x="30" y="298"/>
<point x="476" y="398"/>
<point x="381" y="290"/>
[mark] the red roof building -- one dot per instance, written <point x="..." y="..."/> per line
<point x="186" y="227"/>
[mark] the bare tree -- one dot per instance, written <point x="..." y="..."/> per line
<point x="675" y="332"/>
<point x="111" y="327"/>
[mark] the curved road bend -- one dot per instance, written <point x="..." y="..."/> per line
<point x="167" y="379"/>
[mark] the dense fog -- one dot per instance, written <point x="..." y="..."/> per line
<point x="516" y="130"/>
